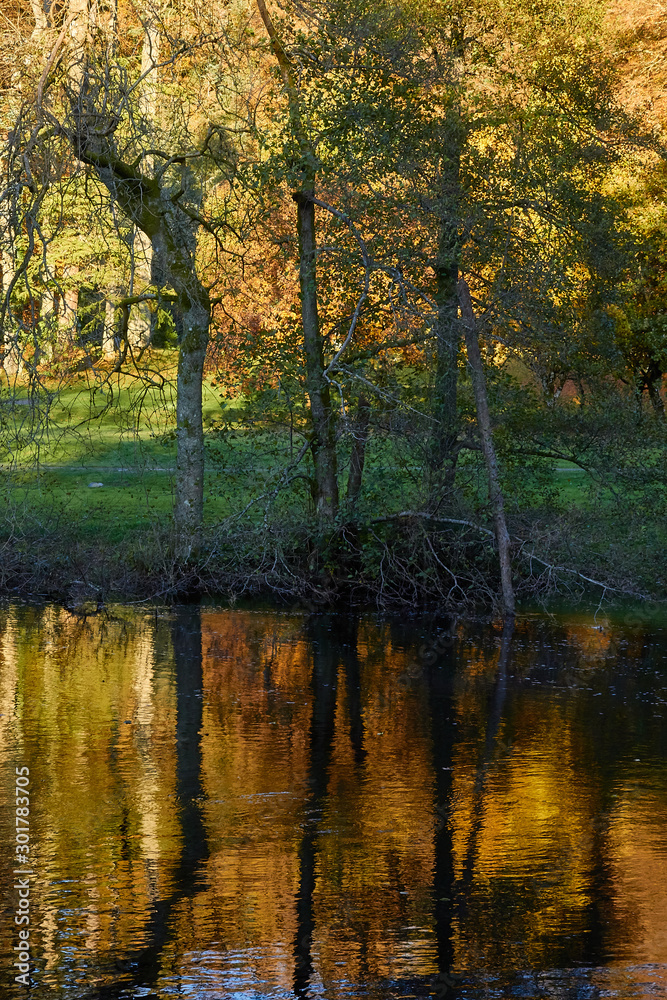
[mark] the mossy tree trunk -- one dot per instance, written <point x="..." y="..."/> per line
<point x="447" y="207"/>
<point x="444" y="450"/>
<point x="322" y="413"/>
<point x="150" y="207"/>
<point x="324" y="437"/>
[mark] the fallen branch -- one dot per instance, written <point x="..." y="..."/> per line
<point x="575" y="572"/>
<point x="432" y="517"/>
<point x="515" y="538"/>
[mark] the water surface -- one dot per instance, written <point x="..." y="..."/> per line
<point x="252" y="804"/>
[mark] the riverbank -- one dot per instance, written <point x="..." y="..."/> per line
<point x="394" y="562"/>
<point x="87" y="502"/>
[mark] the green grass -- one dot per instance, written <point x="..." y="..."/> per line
<point x="130" y="448"/>
<point x="572" y="483"/>
<point x="125" y="440"/>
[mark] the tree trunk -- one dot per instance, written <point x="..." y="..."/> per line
<point x="145" y="204"/>
<point x="656" y="399"/>
<point x="653" y="382"/>
<point x="112" y="323"/>
<point x="139" y="325"/>
<point x="324" y="439"/>
<point x="486" y="435"/>
<point x="358" y="456"/>
<point x="444" y="450"/>
<point x="150" y="55"/>
<point x="189" y="505"/>
<point x="80" y="29"/>
<point x="11" y="360"/>
<point x="173" y="239"/>
<point x="140" y="195"/>
<point x="67" y="310"/>
<point x="41" y="21"/>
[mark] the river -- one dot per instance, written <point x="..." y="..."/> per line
<point x="248" y="803"/>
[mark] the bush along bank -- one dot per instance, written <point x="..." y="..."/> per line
<point x="397" y="562"/>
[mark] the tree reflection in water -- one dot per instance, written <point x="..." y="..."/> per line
<point x="144" y="965"/>
<point x="322" y="723"/>
<point x="236" y="803"/>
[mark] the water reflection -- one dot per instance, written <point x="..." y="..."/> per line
<point x="237" y="803"/>
<point x="144" y="964"/>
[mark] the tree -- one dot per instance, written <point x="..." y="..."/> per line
<point x="639" y="317"/>
<point x="499" y="176"/>
<point x="323" y="443"/>
<point x="319" y="197"/>
<point x="166" y="166"/>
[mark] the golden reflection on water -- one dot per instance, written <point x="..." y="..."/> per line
<point x="291" y="808"/>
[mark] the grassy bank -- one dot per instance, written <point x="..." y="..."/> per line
<point x="402" y="562"/>
<point x="87" y="493"/>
